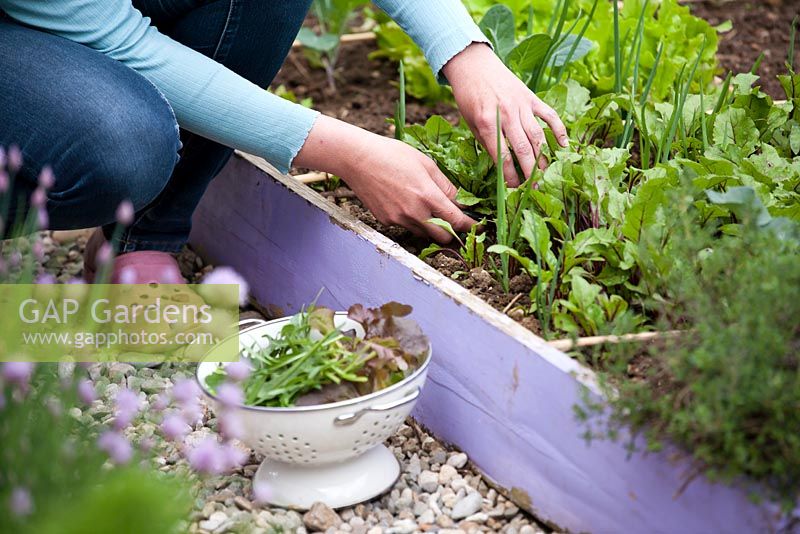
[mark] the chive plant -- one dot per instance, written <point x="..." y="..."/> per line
<point x="400" y="107"/>
<point x="559" y="37"/>
<point x="792" y="37"/>
<point x="560" y="72"/>
<point x="502" y="216"/>
<point x="681" y="93"/>
<point x="617" y="50"/>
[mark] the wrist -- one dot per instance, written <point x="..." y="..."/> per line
<point x="465" y="61"/>
<point x="332" y="146"/>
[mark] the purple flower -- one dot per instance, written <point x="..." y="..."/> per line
<point x="18" y="372"/>
<point x="45" y="278"/>
<point x="126" y="406"/>
<point x="116" y="446"/>
<point x="226" y="275"/>
<point x="191" y="411"/>
<point x="174" y="427"/>
<point x="230" y="425"/>
<point x="46" y="178"/>
<point x="4" y="181"/>
<point x="185" y="390"/>
<point x="86" y="391"/>
<point x="38" y="250"/>
<point x="230" y="395"/>
<point x="237" y="371"/>
<point x="14" y="158"/>
<point x="207" y="457"/>
<point x="262" y="493"/>
<point x="104" y="254"/>
<point x="171" y="276"/>
<point x="38" y="197"/>
<point x="146" y="444"/>
<point x="77" y="281"/>
<point x="125" y="213"/>
<point x="233" y="456"/>
<point x="128" y="275"/>
<point x="161" y="402"/>
<point x="21" y="503"/>
<point x="42" y="219"/>
<point x="15" y="259"/>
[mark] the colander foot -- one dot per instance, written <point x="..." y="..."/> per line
<point x="338" y="485"/>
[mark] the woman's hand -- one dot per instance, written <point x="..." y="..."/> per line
<point x="481" y="84"/>
<point x="396" y="182"/>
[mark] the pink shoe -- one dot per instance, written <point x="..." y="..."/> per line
<point x="139" y="267"/>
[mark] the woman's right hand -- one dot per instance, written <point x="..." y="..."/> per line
<point x="396" y="182"/>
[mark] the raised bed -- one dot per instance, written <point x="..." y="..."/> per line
<point x="497" y="391"/>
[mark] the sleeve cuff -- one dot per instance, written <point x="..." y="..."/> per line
<point x="446" y="47"/>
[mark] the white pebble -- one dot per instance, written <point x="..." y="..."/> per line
<point x="458" y="483"/>
<point x="446" y="474"/>
<point x="457" y="460"/>
<point x="449" y="499"/>
<point x="470" y="504"/>
<point x="214" y="521"/>
<point x="428" y="481"/>
<point x="480" y="517"/>
<point x="404" y="526"/>
<point x="426" y="517"/>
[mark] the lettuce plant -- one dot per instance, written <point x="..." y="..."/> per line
<point x="548" y="41"/>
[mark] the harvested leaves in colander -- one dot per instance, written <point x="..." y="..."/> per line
<point x="314" y="362"/>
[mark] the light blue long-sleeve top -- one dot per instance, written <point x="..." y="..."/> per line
<point x="210" y="100"/>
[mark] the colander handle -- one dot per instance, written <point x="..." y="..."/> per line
<point x="350" y="418"/>
<point x="250" y="322"/>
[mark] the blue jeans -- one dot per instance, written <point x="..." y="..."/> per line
<point x="110" y="135"/>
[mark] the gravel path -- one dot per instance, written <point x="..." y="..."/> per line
<point x="438" y="490"/>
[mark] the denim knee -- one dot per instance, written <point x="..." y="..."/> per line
<point x="127" y="151"/>
<point x="137" y="156"/>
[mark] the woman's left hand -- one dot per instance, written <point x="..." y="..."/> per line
<point x="482" y="84"/>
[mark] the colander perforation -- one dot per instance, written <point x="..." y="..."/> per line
<point x="328" y="434"/>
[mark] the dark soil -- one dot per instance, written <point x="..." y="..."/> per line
<point x="758" y="26"/>
<point x="479" y="281"/>
<point x="366" y="90"/>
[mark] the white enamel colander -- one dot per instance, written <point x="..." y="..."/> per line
<point x="331" y="453"/>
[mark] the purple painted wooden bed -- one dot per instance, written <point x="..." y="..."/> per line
<point x="495" y="390"/>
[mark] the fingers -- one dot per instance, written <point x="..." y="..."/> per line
<point x="443" y="208"/>
<point x="432" y="203"/>
<point x="509" y="171"/>
<point x="441" y="181"/>
<point x="457" y="219"/>
<point x="431" y="231"/>
<point x="535" y="135"/>
<point x="525" y="142"/>
<point x="486" y="132"/>
<point x="548" y="115"/>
